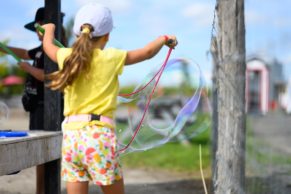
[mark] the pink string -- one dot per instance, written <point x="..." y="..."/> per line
<point x="140" y="89"/>
<point x="149" y="99"/>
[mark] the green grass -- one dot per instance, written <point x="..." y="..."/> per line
<point x="173" y="156"/>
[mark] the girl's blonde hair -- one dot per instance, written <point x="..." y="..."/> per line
<point x="78" y="62"/>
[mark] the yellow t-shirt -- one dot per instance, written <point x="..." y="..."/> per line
<point x="96" y="92"/>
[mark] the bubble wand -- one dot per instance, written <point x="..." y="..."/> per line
<point x="38" y="28"/>
<point x="148" y="102"/>
<point x="10" y="52"/>
<point x="42" y="31"/>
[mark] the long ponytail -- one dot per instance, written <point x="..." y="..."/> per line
<point x="78" y="62"/>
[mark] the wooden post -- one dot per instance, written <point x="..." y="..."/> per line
<point x="229" y="174"/>
<point x="53" y="101"/>
<point x="214" y="134"/>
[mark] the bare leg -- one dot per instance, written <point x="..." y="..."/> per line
<point x="116" y="188"/>
<point x="77" y="187"/>
<point x="40" y="179"/>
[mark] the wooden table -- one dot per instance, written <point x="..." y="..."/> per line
<point x="23" y="152"/>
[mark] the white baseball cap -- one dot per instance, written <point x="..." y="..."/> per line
<point x="95" y="14"/>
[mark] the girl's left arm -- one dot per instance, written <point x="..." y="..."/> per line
<point x="48" y="42"/>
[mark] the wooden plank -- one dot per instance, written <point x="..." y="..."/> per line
<point x="24" y="152"/>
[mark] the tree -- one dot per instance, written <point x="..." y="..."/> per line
<point x="229" y="163"/>
<point x="7" y="68"/>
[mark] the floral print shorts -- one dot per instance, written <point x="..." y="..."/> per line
<point x="89" y="154"/>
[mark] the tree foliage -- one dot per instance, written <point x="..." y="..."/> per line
<point x="7" y="68"/>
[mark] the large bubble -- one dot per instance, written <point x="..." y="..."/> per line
<point x="170" y="105"/>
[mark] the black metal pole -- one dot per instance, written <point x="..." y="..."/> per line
<point x="52" y="101"/>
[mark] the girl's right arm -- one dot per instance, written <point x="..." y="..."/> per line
<point x="48" y="42"/>
<point x="150" y="50"/>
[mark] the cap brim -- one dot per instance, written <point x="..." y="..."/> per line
<point x="30" y="26"/>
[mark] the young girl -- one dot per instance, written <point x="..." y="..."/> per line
<point x="88" y="76"/>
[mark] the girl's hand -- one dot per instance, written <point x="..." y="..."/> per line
<point x="49" y="27"/>
<point x="171" y="41"/>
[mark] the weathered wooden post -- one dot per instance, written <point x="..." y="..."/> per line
<point x="214" y="134"/>
<point x="53" y="108"/>
<point x="229" y="167"/>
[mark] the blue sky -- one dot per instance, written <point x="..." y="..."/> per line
<point x="268" y="28"/>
